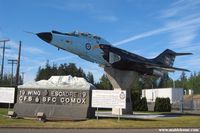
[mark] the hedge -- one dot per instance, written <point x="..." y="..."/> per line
<point x="138" y="103"/>
<point x="162" y="105"/>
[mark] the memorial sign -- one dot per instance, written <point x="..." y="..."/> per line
<point x="7" y="94"/>
<point x="109" y="99"/>
<point x="49" y="96"/>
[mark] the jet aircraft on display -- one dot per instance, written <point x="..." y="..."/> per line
<point x="96" y="49"/>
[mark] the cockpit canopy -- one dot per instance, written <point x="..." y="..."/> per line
<point x="76" y="33"/>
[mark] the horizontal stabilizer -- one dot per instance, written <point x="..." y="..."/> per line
<point x="172" y="69"/>
<point x="169" y="69"/>
<point x="180" y="54"/>
<point x="181" y="69"/>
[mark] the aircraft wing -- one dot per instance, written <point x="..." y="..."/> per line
<point x="158" y="66"/>
<point x="164" y="68"/>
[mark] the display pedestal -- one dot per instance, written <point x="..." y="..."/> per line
<point x="121" y="80"/>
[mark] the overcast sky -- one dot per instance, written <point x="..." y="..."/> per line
<point x="145" y="27"/>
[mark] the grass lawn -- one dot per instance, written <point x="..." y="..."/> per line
<point x="181" y="121"/>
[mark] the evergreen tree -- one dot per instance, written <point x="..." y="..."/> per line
<point x="139" y="82"/>
<point x="149" y="82"/>
<point x="63" y="69"/>
<point x="72" y="69"/>
<point x="165" y="81"/>
<point x="38" y="75"/>
<point x="182" y="83"/>
<point x="54" y="70"/>
<point x="6" y="81"/>
<point x="183" y="76"/>
<point x="81" y="73"/>
<point x="104" y="83"/>
<point x="90" y="78"/>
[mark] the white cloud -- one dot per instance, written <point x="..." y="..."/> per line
<point x="191" y="63"/>
<point x="1" y="35"/>
<point x="107" y="18"/>
<point x="194" y="63"/>
<point x="184" y="35"/>
<point x="74" y="6"/>
<point x="77" y="6"/>
<point x="11" y="54"/>
<point x="13" y="44"/>
<point x="182" y="29"/>
<point x="37" y="63"/>
<point x="12" y="50"/>
<point x="192" y="48"/>
<point x="63" y="58"/>
<point x="29" y="77"/>
<point x="181" y="8"/>
<point x="140" y="36"/>
<point x="33" y="50"/>
<point x="101" y="14"/>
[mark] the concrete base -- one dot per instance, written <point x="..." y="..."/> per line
<point x="121" y="80"/>
<point x="55" y="104"/>
<point x="54" y="112"/>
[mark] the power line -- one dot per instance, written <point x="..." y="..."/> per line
<point x="4" y="47"/>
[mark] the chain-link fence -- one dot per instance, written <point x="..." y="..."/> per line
<point x="189" y="103"/>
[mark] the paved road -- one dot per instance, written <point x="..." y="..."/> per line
<point x="19" y="130"/>
<point x="135" y="115"/>
<point x="77" y="130"/>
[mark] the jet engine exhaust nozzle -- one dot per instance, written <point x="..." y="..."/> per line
<point x="46" y="36"/>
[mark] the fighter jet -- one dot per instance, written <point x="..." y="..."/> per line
<point x="96" y="49"/>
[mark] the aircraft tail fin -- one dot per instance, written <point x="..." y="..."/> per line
<point x="168" y="56"/>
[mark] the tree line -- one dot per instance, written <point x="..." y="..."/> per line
<point x="73" y="70"/>
<point x="186" y="82"/>
<point x="9" y="80"/>
<point x="139" y="82"/>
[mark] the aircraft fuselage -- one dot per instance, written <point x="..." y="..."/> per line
<point x="96" y="49"/>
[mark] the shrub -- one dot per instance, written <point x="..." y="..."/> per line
<point x="135" y="100"/>
<point x="138" y="103"/>
<point x="143" y="104"/>
<point x="162" y="105"/>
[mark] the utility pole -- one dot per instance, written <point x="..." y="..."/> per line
<point x="18" y="63"/>
<point x="23" y="76"/>
<point x="2" y="64"/>
<point x="12" y="62"/>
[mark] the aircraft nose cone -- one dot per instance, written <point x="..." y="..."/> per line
<point x="46" y="36"/>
